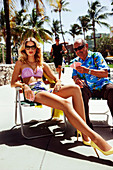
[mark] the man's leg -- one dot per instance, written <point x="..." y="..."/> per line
<point x="86" y="94"/>
<point x="108" y="94"/>
<point x="59" y="70"/>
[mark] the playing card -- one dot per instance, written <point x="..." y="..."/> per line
<point x="75" y="64"/>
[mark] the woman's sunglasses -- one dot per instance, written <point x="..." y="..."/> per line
<point x="33" y="47"/>
<point x="79" y="48"/>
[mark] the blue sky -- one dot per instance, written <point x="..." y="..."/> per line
<point x="78" y="8"/>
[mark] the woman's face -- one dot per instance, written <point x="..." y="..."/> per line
<point x="30" y="48"/>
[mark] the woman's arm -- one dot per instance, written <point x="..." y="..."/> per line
<point x="15" y="83"/>
<point x="15" y="75"/>
<point x="49" y="72"/>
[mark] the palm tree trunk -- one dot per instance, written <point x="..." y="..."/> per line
<point x="94" y="36"/>
<point x="84" y="35"/>
<point x="8" y="35"/>
<point x="64" y="38"/>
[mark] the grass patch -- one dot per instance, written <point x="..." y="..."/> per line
<point x="110" y="65"/>
<point x="67" y="66"/>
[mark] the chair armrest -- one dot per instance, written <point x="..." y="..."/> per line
<point x="19" y="89"/>
<point x="49" y="79"/>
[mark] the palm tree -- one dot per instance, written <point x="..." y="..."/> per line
<point x="56" y="28"/>
<point x="8" y="37"/>
<point x="2" y="25"/>
<point x="112" y="8"/>
<point x="95" y="13"/>
<point x="35" y="26"/>
<point x="59" y="6"/>
<point x="40" y="11"/>
<point x="75" y="30"/>
<point x="84" y="21"/>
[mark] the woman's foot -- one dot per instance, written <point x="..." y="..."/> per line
<point x="85" y="139"/>
<point x="105" y="152"/>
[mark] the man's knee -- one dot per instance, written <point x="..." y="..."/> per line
<point x="108" y="91"/>
<point x="86" y="93"/>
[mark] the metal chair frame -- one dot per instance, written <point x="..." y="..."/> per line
<point x="18" y="105"/>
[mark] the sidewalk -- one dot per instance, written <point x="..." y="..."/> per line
<point x="61" y="152"/>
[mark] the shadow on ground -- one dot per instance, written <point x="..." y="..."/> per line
<point x="54" y="144"/>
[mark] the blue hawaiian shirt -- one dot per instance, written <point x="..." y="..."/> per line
<point x="95" y="61"/>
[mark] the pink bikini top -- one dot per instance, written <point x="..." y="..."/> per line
<point x="28" y="72"/>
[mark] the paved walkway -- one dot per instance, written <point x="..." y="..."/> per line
<point x="61" y="152"/>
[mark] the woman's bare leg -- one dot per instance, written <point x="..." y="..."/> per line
<point x="74" y="92"/>
<point x="57" y="102"/>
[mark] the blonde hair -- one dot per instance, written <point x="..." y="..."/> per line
<point x="22" y="53"/>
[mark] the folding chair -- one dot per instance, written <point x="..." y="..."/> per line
<point x="99" y="108"/>
<point x="23" y="103"/>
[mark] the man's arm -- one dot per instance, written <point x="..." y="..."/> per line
<point x="78" y="81"/>
<point x="98" y="73"/>
<point x="64" y="49"/>
<point x="102" y="69"/>
<point x="51" y="53"/>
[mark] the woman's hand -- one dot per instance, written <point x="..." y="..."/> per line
<point x="29" y="95"/>
<point x="57" y="86"/>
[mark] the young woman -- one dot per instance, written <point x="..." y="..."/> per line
<point x="30" y="66"/>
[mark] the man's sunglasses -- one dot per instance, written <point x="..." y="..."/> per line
<point x="79" y="48"/>
<point x="33" y="47"/>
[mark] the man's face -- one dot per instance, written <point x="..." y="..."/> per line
<point x="57" y="39"/>
<point x="81" y="50"/>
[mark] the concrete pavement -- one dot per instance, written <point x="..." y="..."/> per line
<point x="62" y="152"/>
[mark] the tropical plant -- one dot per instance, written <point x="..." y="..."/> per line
<point x="75" y="30"/>
<point x="112" y="8"/>
<point x="105" y="45"/>
<point x="96" y="14"/>
<point x="55" y="27"/>
<point x="8" y="35"/>
<point x="36" y="25"/>
<point x="85" y="23"/>
<point x="40" y="11"/>
<point x="2" y="24"/>
<point x="59" y="6"/>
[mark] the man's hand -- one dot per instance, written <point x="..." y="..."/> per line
<point x="80" y="82"/>
<point x="82" y="69"/>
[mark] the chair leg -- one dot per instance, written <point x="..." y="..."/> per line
<point x="22" y="124"/>
<point x="18" y="107"/>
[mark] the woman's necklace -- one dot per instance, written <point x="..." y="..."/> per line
<point x="31" y="65"/>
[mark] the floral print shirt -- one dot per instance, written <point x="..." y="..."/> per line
<point x="95" y="61"/>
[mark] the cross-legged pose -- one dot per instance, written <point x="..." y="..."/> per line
<point x="30" y="66"/>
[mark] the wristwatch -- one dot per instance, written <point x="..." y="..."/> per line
<point x="89" y="72"/>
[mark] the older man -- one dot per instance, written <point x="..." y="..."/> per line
<point x="92" y="76"/>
